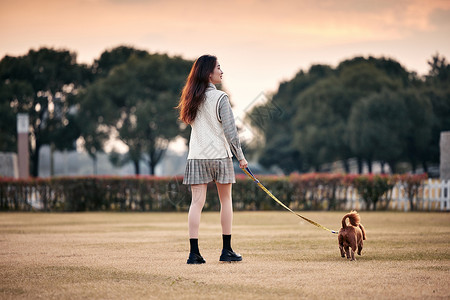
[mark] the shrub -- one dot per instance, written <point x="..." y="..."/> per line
<point x="372" y="187"/>
<point x="412" y="184"/>
<point x="313" y="191"/>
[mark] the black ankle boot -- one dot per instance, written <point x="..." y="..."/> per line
<point x="228" y="255"/>
<point x="195" y="259"/>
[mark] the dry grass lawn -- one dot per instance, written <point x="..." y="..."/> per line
<point x="143" y="256"/>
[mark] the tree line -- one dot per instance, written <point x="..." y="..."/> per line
<point x="370" y="109"/>
<point x="126" y="92"/>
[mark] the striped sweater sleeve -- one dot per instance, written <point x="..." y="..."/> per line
<point x="229" y="127"/>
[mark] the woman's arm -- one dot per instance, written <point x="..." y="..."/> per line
<point x="229" y="128"/>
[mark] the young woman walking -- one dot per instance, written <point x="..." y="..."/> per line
<point x="213" y="140"/>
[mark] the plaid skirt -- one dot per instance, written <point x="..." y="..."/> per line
<point x="199" y="171"/>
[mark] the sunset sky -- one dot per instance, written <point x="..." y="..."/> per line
<point x="258" y="43"/>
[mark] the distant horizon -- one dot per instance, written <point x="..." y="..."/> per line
<point x="424" y="70"/>
<point x="421" y="73"/>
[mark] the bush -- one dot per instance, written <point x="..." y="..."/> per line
<point x="313" y="191"/>
<point x="412" y="184"/>
<point x="373" y="187"/>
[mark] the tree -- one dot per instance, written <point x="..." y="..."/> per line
<point x="363" y="77"/>
<point x="437" y="90"/>
<point x="94" y="110"/>
<point x="377" y="128"/>
<point x="90" y="120"/>
<point x="39" y="83"/>
<point x="156" y="132"/>
<point x="114" y="57"/>
<point x="140" y="96"/>
<point x="321" y="123"/>
<point x="274" y="121"/>
<point x="317" y="106"/>
<point x="8" y="142"/>
<point x="418" y="130"/>
<point x="8" y="129"/>
<point x="439" y="70"/>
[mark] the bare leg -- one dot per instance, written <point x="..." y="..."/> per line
<point x="195" y="210"/>
<point x="226" y="207"/>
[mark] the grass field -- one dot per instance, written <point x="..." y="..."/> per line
<point x="143" y="256"/>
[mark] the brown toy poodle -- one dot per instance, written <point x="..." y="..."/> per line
<point x="351" y="235"/>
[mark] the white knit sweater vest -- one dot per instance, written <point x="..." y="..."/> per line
<point x="207" y="138"/>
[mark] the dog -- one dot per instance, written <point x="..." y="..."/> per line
<point x="351" y="236"/>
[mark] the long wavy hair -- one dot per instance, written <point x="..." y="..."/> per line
<point x="193" y="93"/>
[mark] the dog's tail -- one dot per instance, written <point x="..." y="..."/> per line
<point x="363" y="231"/>
<point x="353" y="217"/>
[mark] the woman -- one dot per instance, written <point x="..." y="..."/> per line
<point x="213" y="138"/>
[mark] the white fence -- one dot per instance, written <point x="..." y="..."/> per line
<point x="434" y="195"/>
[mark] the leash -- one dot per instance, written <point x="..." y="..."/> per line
<point x="250" y="174"/>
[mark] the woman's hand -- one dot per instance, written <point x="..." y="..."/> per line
<point x="243" y="163"/>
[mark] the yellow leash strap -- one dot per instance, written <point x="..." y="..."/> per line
<point x="250" y="174"/>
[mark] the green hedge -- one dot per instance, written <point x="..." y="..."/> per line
<point x="314" y="191"/>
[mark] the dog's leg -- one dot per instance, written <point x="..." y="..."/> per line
<point x="353" y="255"/>
<point x="341" y="248"/>
<point x="353" y="241"/>
<point x="347" y="251"/>
<point x="360" y="246"/>
<point x="341" y="244"/>
<point x="354" y="246"/>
